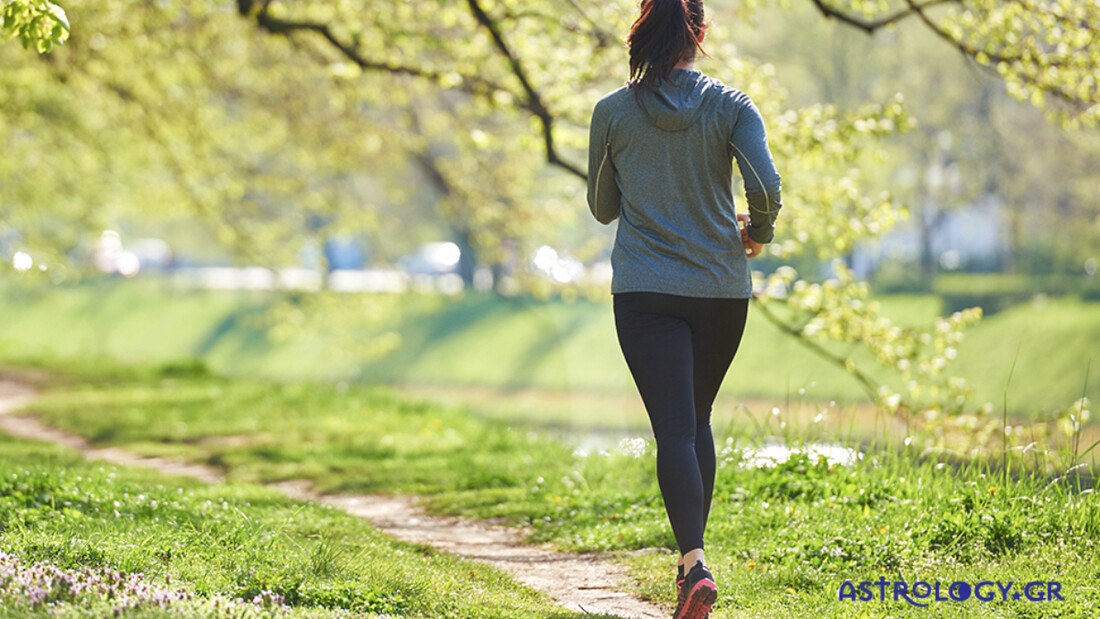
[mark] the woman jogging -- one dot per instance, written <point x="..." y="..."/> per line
<point x="661" y="155"/>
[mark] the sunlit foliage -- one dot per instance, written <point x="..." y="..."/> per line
<point x="40" y="24"/>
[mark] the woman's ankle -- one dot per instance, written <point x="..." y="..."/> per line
<point x="691" y="557"/>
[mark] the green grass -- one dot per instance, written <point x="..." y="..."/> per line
<point x="228" y="541"/>
<point x="485" y="341"/>
<point x="781" y="540"/>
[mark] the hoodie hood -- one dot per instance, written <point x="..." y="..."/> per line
<point x="677" y="101"/>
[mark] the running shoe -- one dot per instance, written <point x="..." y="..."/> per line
<point x="681" y="590"/>
<point x="701" y="593"/>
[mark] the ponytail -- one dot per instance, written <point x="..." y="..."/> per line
<point x="666" y="32"/>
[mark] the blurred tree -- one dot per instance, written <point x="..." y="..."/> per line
<point x="162" y="112"/>
<point x="977" y="143"/>
<point x="170" y="109"/>
<point x="549" y="62"/>
<point x="1050" y="180"/>
<point x="974" y="142"/>
<point x="1044" y="50"/>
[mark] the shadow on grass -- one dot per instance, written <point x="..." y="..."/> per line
<point x="430" y="328"/>
<point x="239" y="326"/>
<point x="542" y="348"/>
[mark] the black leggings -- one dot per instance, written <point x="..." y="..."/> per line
<point x="678" y="350"/>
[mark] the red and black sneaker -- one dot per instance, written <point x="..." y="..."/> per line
<point x="681" y="590"/>
<point x="700" y="593"/>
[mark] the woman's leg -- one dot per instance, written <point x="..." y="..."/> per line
<point x="656" y="341"/>
<point x="717" y="326"/>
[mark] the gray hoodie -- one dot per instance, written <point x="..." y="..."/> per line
<point x="662" y="163"/>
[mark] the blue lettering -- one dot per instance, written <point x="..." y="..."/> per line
<point x="916" y="589"/>
<point x="901" y="589"/>
<point x="959" y="591"/>
<point x="881" y="582"/>
<point x="850" y="594"/>
<point x="1054" y="590"/>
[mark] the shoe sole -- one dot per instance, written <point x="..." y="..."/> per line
<point x="700" y="600"/>
<point x="681" y="597"/>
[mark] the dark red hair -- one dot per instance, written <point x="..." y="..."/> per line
<point x="666" y="32"/>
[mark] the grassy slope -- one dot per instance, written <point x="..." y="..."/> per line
<point x="488" y="341"/>
<point x="780" y="540"/>
<point x="232" y="540"/>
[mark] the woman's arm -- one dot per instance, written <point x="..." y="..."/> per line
<point x="762" y="182"/>
<point x="603" y="190"/>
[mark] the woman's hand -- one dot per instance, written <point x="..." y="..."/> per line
<point x="752" y="248"/>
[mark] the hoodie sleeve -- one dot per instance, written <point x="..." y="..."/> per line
<point x="603" y="189"/>
<point x="762" y="183"/>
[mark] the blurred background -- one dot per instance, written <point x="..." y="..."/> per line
<point x="392" y="193"/>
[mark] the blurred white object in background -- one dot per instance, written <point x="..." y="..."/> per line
<point x="22" y="261"/>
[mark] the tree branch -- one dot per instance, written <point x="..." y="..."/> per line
<point x="870" y="26"/>
<point x="869" y="386"/>
<point x="240" y="244"/>
<point x="528" y="100"/>
<point x="919" y="10"/>
<point x="972" y="52"/>
<point x="471" y="84"/>
<point x="603" y="37"/>
<point x="533" y="99"/>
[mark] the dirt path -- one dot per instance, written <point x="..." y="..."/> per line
<point x="579" y="582"/>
